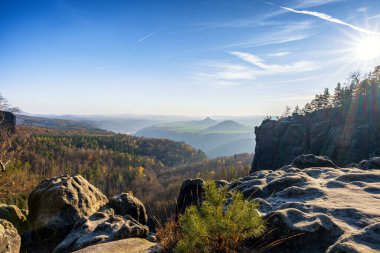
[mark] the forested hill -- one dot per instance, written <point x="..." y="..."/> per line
<point x="343" y="126"/>
<point x="113" y="162"/>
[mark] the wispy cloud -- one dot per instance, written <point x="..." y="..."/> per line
<point x="296" y="67"/>
<point x="256" y="68"/>
<point x="147" y="36"/>
<point x="294" y="31"/>
<point x="329" y="18"/>
<point x="314" y="3"/>
<point x="373" y="17"/>
<point x="279" y="54"/>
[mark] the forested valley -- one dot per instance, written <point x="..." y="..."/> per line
<point x="152" y="169"/>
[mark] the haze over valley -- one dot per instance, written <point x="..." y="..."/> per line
<point x="203" y="126"/>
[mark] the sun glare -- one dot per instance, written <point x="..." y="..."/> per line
<point x="367" y="48"/>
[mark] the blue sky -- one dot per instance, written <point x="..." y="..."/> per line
<point x="191" y="58"/>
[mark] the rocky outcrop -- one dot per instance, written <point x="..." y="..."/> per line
<point x="132" y="245"/>
<point x="192" y="193"/>
<point x="310" y="160"/>
<point x="99" y="228"/>
<point x="10" y="241"/>
<point x="371" y="164"/>
<point x="331" y="132"/>
<point x="14" y="215"/>
<point x="127" y="204"/>
<point x="8" y="121"/>
<point x="317" y="209"/>
<point x="68" y="213"/>
<point x="56" y="204"/>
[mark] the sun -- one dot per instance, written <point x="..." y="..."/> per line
<point x="367" y="48"/>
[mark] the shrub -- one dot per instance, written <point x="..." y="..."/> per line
<point x="168" y="235"/>
<point x="217" y="226"/>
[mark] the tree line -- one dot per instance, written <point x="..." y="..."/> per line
<point x="359" y="94"/>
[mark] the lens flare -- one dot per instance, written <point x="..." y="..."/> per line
<point x="367" y="48"/>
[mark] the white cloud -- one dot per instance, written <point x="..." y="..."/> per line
<point x="296" y="67"/>
<point x="329" y="18"/>
<point x="315" y="3"/>
<point x="256" y="68"/>
<point x="362" y="9"/>
<point x="284" y="34"/>
<point x="279" y="54"/>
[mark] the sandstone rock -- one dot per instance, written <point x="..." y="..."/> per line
<point x="325" y="132"/>
<point x="127" y="204"/>
<point x="8" y="121"/>
<point x="15" y="216"/>
<point x="99" y="228"/>
<point x="319" y="209"/>
<point x="56" y="204"/>
<point x="10" y="241"/>
<point x="309" y="160"/>
<point x="132" y="245"/>
<point x="191" y="193"/>
<point x="370" y="164"/>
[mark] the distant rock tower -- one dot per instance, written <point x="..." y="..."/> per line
<point x="8" y="122"/>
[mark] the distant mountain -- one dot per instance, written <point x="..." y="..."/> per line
<point x="58" y="124"/>
<point x="228" y="125"/>
<point x="216" y="138"/>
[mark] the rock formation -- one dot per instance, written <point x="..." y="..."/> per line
<point x="14" y="215"/>
<point x="192" y="193"/>
<point x="126" y="203"/>
<point x="131" y="245"/>
<point x="331" y="132"/>
<point x="8" y="121"/>
<point x="10" y="241"/>
<point x="99" y="228"/>
<point x="56" y="204"/>
<point x="317" y="209"/>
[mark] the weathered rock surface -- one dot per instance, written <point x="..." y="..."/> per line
<point x="10" y="241"/>
<point x="331" y="132"/>
<point x="132" y="245"/>
<point x="56" y="204"/>
<point x="310" y="160"/>
<point x="99" y="228"/>
<point x="127" y="204"/>
<point x="318" y="209"/>
<point x="14" y="215"/>
<point x="370" y="164"/>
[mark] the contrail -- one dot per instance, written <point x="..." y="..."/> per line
<point x="147" y="36"/>
<point x="327" y="17"/>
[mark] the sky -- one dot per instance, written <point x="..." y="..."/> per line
<point x="193" y="58"/>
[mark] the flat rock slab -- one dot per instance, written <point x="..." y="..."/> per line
<point x="132" y="245"/>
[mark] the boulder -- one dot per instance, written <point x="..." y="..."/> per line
<point x="309" y="160"/>
<point x="316" y="209"/>
<point x="10" y="241"/>
<point x="56" y="204"/>
<point x="191" y="193"/>
<point x="127" y="204"/>
<point x="370" y="164"/>
<point x="99" y="228"/>
<point x="132" y="245"/>
<point x="15" y="216"/>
